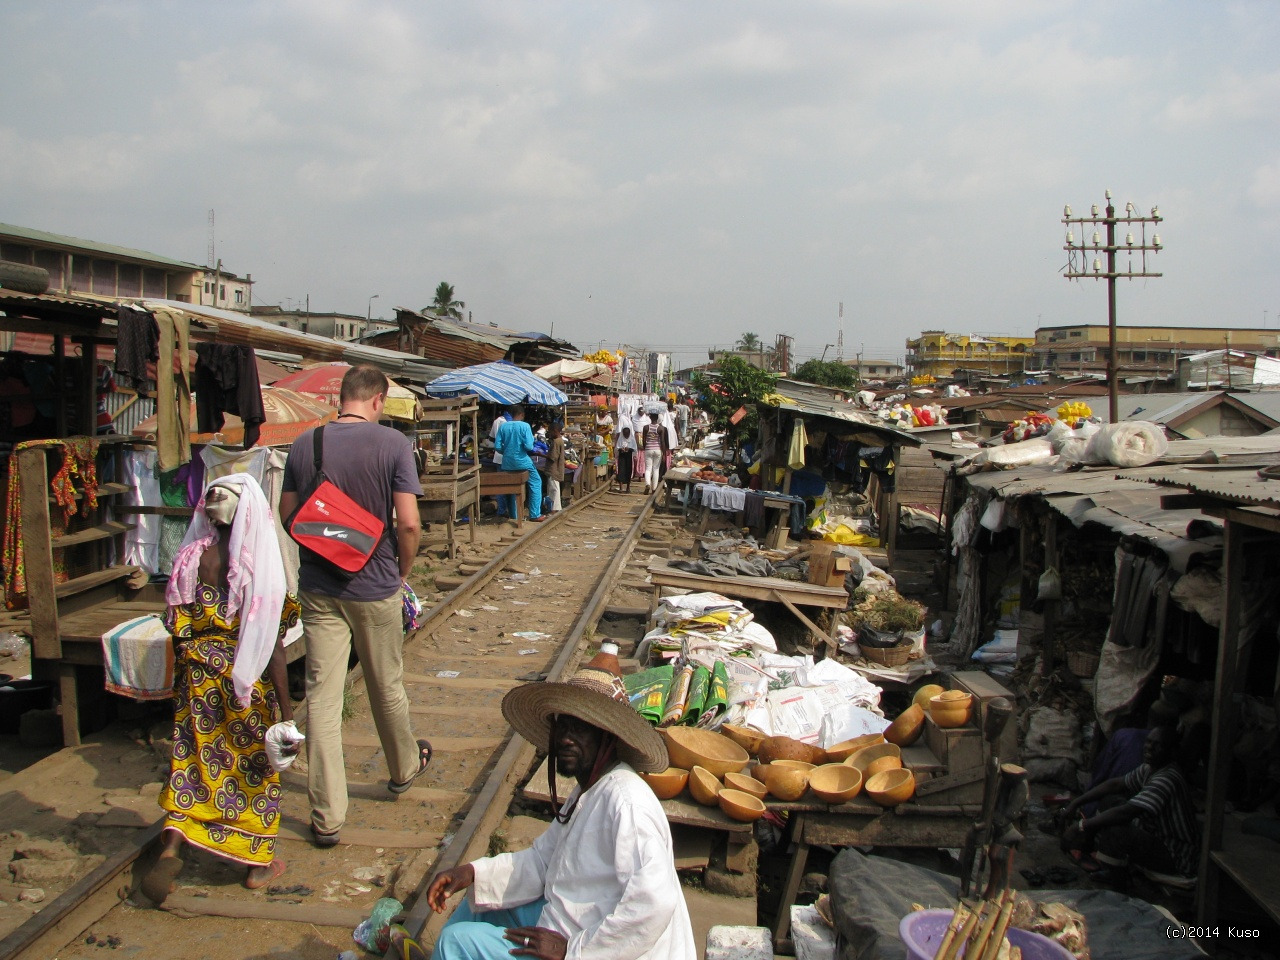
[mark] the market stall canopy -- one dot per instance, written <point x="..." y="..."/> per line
<point x="806" y="401"/>
<point x="289" y="414"/>
<point x="324" y="381"/>
<point x="498" y="382"/>
<point x="576" y="371"/>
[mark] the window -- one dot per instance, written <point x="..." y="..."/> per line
<point x="240" y="297"/>
<point x="104" y="277"/>
<point x="1077" y="333"/>
<point x="222" y="292"/>
<point x="208" y="286"/>
<point x="130" y="280"/>
<point x="51" y="261"/>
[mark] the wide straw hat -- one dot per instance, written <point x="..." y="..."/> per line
<point x="596" y="696"/>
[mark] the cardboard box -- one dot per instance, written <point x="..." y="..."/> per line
<point x="827" y="568"/>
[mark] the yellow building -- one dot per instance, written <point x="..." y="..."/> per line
<point x="938" y="354"/>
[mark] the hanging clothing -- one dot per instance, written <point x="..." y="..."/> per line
<point x="226" y="381"/>
<point x="137" y="344"/>
<point x="173" y="390"/>
<point x="799" y="440"/>
<point x="222" y="794"/>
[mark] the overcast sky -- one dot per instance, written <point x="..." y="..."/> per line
<point x="668" y="174"/>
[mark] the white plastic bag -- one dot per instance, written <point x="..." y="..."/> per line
<point x="1132" y="444"/>
<point x="1035" y="450"/>
<point x="1050" y="585"/>
<point x="283" y="742"/>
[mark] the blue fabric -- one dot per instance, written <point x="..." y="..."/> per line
<point x="498" y="382"/>
<point x="532" y="498"/>
<point x="478" y="936"/>
<point x="515" y="442"/>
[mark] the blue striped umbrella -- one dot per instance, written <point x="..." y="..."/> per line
<point x="498" y="382"/>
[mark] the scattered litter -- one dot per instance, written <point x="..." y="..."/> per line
<point x="376" y="875"/>
<point x="448" y="674"/>
<point x="490" y="608"/>
<point x="463" y="613"/>
<point x="590" y="546"/>
<point x="519" y="603"/>
<point x="535" y="572"/>
<point x="507" y="586"/>
<point x="525" y="653"/>
<point x="531" y="635"/>
<point x="519" y="577"/>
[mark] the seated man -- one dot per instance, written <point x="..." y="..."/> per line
<point x="1145" y="817"/>
<point x="601" y="881"/>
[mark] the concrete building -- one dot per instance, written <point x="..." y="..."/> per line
<point x="936" y="353"/>
<point x="1153" y="352"/>
<point x="337" y="326"/>
<point x="877" y="369"/>
<point x="89" y="267"/>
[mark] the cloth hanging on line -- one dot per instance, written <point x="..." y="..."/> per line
<point x="799" y="440"/>
<point x="137" y="344"/>
<point x="226" y="381"/>
<point x="173" y="390"/>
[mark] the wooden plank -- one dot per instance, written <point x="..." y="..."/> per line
<point x="753" y="588"/>
<point x="319" y="914"/>
<point x="1222" y="738"/>
<point x="102" y="531"/>
<point x="33" y="478"/>
<point x="69" y="588"/>
<point x="813" y="627"/>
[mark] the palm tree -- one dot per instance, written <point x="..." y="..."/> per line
<point x="748" y="343"/>
<point x="444" y="305"/>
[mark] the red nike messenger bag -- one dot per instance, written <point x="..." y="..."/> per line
<point x="330" y="525"/>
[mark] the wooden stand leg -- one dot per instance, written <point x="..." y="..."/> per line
<point x="473" y="513"/>
<point x="782" y="925"/>
<point x="453" y="549"/>
<point x="70" y="704"/>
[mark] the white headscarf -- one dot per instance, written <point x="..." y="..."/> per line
<point x="255" y="580"/>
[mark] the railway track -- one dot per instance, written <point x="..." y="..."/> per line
<point x="528" y="611"/>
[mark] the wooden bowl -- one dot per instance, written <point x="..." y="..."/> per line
<point x="787" y="779"/>
<point x="689" y="747"/>
<point x="891" y="787"/>
<point x="668" y="783"/>
<point x="863" y="757"/>
<point x="927" y="693"/>
<point x="907" y="728"/>
<point x="740" y="781"/>
<point x="748" y="739"/>
<point x="703" y="786"/>
<point x="840" y="752"/>
<point x="784" y="748"/>
<point x="953" y="697"/>
<point x="740" y="805"/>
<point x="835" y="783"/>
<point x="881" y="764"/>
<point x="949" y="713"/>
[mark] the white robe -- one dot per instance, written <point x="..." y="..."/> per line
<point x="608" y="876"/>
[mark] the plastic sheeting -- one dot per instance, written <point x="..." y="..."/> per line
<point x="870" y="895"/>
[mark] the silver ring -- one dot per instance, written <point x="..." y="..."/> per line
<point x="526" y="941"/>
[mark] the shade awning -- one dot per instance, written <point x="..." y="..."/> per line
<point x="498" y="382"/>
<point x="576" y="371"/>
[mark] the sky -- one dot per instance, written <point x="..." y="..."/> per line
<point x="667" y="175"/>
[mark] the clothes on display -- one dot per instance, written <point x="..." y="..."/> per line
<point x="226" y="381"/>
<point x="137" y="344"/>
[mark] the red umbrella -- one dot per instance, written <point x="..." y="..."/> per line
<point x="289" y="414"/>
<point x="324" y="380"/>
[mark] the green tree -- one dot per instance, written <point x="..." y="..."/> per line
<point x="748" y="343"/>
<point x="827" y="374"/>
<point x="444" y="305"/>
<point x="737" y="384"/>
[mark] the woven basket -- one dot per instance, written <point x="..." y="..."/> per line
<point x="888" y="656"/>
<point x="1083" y="665"/>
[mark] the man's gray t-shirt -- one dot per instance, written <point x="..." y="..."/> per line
<point x="368" y="462"/>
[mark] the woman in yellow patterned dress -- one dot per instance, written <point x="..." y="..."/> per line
<point x="225" y="597"/>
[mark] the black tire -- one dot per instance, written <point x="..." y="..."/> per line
<point x="23" y="277"/>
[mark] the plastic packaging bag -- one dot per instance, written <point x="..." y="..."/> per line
<point x="374" y="934"/>
<point x="1020" y="454"/>
<point x="1002" y="649"/>
<point x="1132" y="444"/>
<point x="1050" y="585"/>
<point x="283" y="742"/>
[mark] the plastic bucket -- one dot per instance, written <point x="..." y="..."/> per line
<point x="19" y="696"/>
<point x="922" y="932"/>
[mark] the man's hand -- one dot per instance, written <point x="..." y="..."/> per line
<point x="537" y="942"/>
<point x="447" y="883"/>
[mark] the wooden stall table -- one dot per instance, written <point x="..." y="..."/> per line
<point x="498" y="483"/>
<point x="447" y="497"/>
<point x="681" y="477"/>
<point x="790" y="593"/>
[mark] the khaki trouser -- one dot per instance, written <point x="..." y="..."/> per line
<point x="376" y="628"/>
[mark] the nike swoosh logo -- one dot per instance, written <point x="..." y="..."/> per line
<point x="334" y="533"/>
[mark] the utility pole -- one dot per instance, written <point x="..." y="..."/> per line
<point x="1077" y="270"/>
<point x="840" y="336"/>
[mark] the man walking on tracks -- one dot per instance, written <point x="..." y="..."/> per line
<point x="601" y="881"/>
<point x="374" y="466"/>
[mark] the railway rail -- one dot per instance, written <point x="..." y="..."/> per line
<point x="529" y="611"/>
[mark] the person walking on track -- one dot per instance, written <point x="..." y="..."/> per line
<point x="376" y="469"/>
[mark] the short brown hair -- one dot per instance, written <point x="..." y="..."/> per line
<point x="362" y="383"/>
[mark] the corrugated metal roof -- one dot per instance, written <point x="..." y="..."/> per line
<point x="1243" y="485"/>
<point x="845" y="412"/>
<point x="8" y="230"/>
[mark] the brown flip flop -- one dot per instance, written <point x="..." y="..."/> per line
<point x="276" y="869"/>
<point x="158" y="883"/>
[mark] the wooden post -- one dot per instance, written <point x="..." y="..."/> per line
<point x="37" y="546"/>
<point x="1049" y="657"/>
<point x="1223" y="735"/>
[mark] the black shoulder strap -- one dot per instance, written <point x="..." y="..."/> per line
<point x="317" y="449"/>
